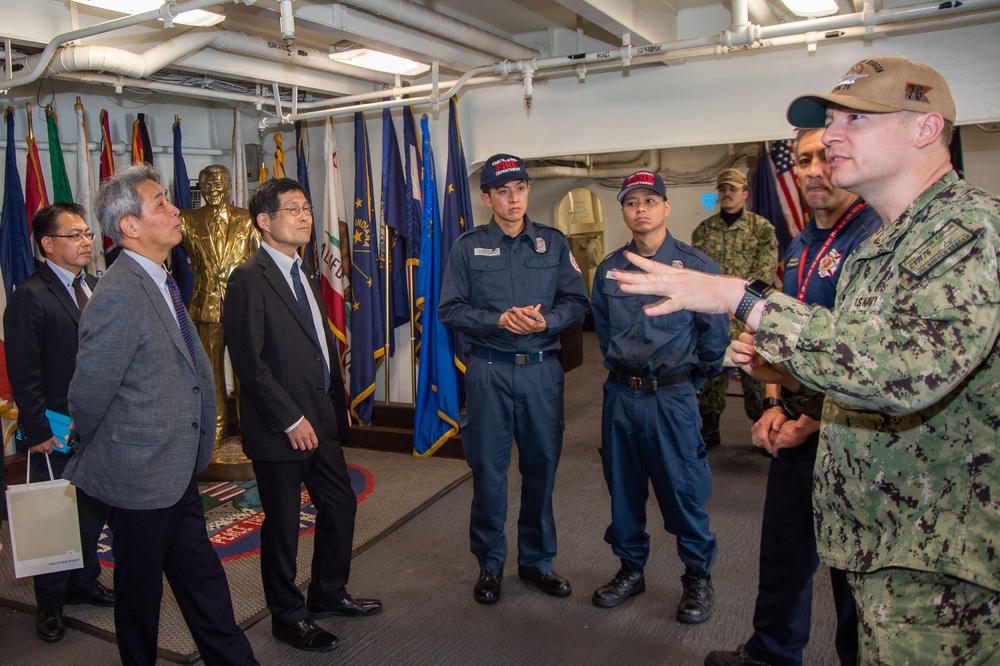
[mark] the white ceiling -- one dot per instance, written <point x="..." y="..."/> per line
<point x="244" y="55"/>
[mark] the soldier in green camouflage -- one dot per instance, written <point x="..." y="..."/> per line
<point x="743" y="244"/>
<point x="907" y="481"/>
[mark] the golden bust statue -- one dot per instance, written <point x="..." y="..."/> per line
<point x="218" y="237"/>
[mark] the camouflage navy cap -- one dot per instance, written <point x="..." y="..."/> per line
<point x="647" y="179"/>
<point x="733" y="177"/>
<point x="879" y="85"/>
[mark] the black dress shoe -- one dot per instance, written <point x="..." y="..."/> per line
<point x="551" y="583"/>
<point x="49" y="624"/>
<point x="625" y="584"/>
<point x="100" y="595"/>
<point x="305" y="635"/>
<point x="696" y="604"/>
<point x="487" y="588"/>
<point x="347" y="607"/>
<point x="739" y="657"/>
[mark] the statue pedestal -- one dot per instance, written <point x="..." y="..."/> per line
<point x="228" y="463"/>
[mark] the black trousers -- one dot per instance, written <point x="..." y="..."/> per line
<point x="172" y="541"/>
<point x="788" y="560"/>
<point x="280" y="485"/>
<point x="52" y="590"/>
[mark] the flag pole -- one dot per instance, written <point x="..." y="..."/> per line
<point x="410" y="264"/>
<point x="384" y="242"/>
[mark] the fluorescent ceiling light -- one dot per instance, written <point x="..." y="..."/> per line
<point x="812" y="7"/>
<point x="196" y="17"/>
<point x="379" y="61"/>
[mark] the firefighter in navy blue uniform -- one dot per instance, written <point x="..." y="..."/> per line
<point x="789" y="430"/>
<point x="511" y="286"/>
<point x="650" y="428"/>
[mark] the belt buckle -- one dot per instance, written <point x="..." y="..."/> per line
<point x="635" y="383"/>
<point x="521" y="359"/>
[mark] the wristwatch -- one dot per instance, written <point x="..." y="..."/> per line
<point x="768" y="403"/>
<point x="754" y="291"/>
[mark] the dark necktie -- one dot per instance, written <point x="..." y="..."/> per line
<point x="80" y="292"/>
<point x="185" y="325"/>
<point x="303" y="300"/>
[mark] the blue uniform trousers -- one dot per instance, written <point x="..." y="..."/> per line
<point x="788" y="560"/>
<point x="513" y="402"/>
<point x="653" y="437"/>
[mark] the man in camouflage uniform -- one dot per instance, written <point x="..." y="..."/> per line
<point x="743" y="244"/>
<point x="907" y="483"/>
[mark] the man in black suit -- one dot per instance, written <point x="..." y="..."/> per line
<point x="294" y="418"/>
<point x="41" y="322"/>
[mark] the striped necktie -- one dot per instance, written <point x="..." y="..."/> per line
<point x="184" y="323"/>
<point x="80" y="292"/>
<point x="303" y="300"/>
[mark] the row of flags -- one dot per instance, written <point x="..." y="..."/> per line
<point x="407" y="230"/>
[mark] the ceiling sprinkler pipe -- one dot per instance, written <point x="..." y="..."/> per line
<point x="287" y="22"/>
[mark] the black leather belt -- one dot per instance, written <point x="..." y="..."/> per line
<point x="644" y="384"/>
<point x="511" y="357"/>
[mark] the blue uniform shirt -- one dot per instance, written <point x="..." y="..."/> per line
<point x="652" y="347"/>
<point x="489" y="272"/>
<point x="822" y="287"/>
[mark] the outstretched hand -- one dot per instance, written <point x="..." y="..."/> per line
<point x="682" y="288"/>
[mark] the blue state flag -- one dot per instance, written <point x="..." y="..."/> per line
<point x="17" y="261"/>
<point x="179" y="265"/>
<point x="367" y="331"/>
<point x="436" y="417"/>
<point x="394" y="218"/>
<point x="456" y="219"/>
<point x="414" y="207"/>
<point x="302" y="175"/>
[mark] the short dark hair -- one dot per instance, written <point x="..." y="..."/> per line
<point x="265" y="198"/>
<point x="118" y="197"/>
<point x="45" y="221"/>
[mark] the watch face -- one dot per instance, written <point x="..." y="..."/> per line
<point x="759" y="288"/>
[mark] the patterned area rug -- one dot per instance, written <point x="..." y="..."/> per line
<point x="391" y="488"/>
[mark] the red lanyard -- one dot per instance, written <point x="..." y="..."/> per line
<point x="833" y="235"/>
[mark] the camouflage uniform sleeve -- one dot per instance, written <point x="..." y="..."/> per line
<point x="765" y="264"/>
<point x="922" y="338"/>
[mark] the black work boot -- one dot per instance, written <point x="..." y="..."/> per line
<point x="696" y="604"/>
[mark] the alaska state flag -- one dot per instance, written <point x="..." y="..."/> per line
<point x="367" y="329"/>
<point x="394" y="218"/>
<point x="436" y="415"/>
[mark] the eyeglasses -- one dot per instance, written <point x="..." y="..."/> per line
<point x="296" y="209"/>
<point x="75" y="236"/>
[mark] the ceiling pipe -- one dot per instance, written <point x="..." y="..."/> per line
<point x="440" y="25"/>
<point x="138" y="65"/>
<point x="167" y="12"/>
<point x="648" y="160"/>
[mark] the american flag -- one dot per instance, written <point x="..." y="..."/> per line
<point x="776" y="194"/>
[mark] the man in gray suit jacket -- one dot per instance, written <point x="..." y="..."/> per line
<point x="143" y="408"/>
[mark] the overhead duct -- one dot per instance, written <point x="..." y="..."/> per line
<point x="166" y="12"/>
<point x="139" y="65"/>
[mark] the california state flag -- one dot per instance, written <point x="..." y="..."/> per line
<point x="334" y="272"/>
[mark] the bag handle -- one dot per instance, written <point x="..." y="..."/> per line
<point x="27" y="477"/>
